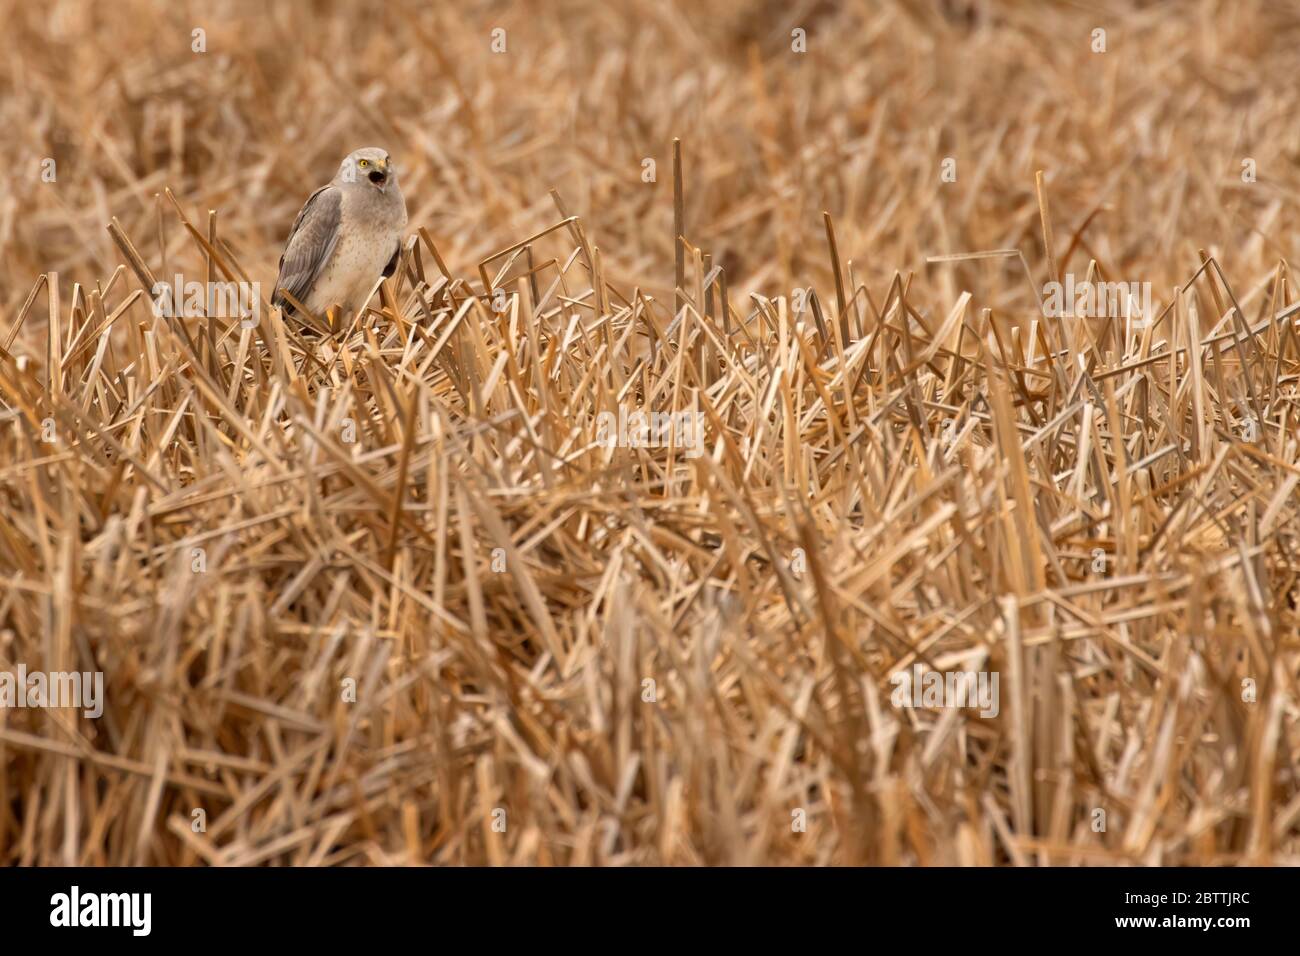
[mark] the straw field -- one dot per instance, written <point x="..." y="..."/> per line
<point x="394" y="596"/>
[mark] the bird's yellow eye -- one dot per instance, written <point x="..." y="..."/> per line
<point x="363" y="163"/>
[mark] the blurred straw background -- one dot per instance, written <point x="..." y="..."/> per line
<point x="387" y="600"/>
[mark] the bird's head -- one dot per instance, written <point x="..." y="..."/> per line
<point x="370" y="166"/>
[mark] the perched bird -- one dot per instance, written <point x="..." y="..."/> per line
<point x="348" y="234"/>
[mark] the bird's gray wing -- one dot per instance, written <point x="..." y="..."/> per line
<point x="312" y="239"/>
<point x="392" y="263"/>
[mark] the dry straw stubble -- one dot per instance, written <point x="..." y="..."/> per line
<point x="473" y="633"/>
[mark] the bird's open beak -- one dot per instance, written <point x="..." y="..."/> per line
<point x="380" y="174"/>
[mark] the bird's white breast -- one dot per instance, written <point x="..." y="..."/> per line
<point x="365" y="246"/>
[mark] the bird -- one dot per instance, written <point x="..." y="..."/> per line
<point x="347" y="235"/>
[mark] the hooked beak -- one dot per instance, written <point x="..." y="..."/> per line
<point x="381" y="174"/>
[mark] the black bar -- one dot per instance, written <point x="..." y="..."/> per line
<point x="599" y="908"/>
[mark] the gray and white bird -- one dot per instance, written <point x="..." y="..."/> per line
<point x="348" y="234"/>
